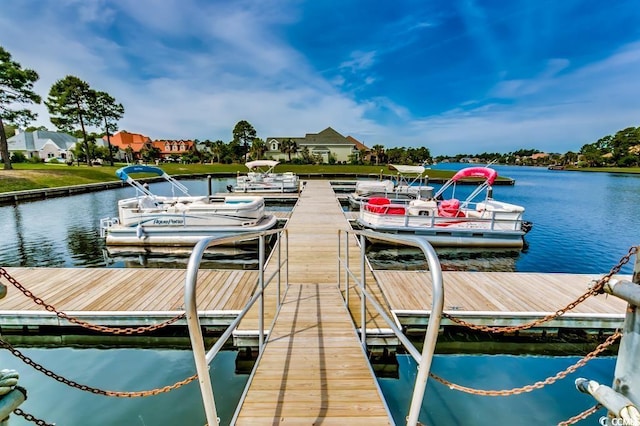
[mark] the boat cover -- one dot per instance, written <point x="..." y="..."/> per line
<point x="407" y="169"/>
<point x="261" y="163"/>
<point x="124" y="172"/>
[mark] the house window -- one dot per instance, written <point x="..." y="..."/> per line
<point x="274" y="146"/>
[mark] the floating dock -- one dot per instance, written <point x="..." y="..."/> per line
<point x="313" y="368"/>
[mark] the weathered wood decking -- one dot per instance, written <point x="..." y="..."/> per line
<point x="313" y="369"/>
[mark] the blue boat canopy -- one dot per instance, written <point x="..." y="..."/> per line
<point x="124" y="172"/>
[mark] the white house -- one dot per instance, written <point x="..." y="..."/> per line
<point x="42" y="144"/>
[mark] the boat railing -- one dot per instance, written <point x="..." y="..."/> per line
<point x="201" y="356"/>
<point x="398" y="214"/>
<point x="424" y="358"/>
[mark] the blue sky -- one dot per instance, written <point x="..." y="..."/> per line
<point x="454" y="76"/>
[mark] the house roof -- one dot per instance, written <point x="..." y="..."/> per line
<point x="326" y="137"/>
<point x="359" y="145"/>
<point x="124" y="139"/>
<point x="34" y="141"/>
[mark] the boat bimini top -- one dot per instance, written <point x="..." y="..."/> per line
<point x="270" y="164"/>
<point x="488" y="174"/>
<point x="124" y="172"/>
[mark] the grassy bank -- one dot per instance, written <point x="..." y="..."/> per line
<point x="36" y="176"/>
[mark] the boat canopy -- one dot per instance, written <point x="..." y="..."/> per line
<point x="261" y="163"/>
<point x="477" y="172"/>
<point x="488" y="174"/>
<point x="407" y="169"/>
<point x="124" y="172"/>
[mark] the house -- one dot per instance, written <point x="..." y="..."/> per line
<point x="172" y="148"/>
<point x="129" y="142"/>
<point x="362" y="149"/>
<point x="43" y="144"/>
<point x="324" y="144"/>
<point x="136" y="142"/>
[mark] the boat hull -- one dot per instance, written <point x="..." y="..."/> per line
<point x="180" y="235"/>
<point x="455" y="237"/>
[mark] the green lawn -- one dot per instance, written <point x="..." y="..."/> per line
<point x="27" y="176"/>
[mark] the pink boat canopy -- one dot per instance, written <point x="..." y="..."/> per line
<point x="477" y="172"/>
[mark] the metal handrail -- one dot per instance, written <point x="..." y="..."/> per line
<point x="202" y="358"/>
<point x="425" y="358"/>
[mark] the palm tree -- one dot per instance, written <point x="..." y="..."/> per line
<point x="217" y="149"/>
<point x="289" y="147"/>
<point x="378" y="151"/>
<point x="258" y="148"/>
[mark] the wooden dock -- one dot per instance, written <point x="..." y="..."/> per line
<point x="313" y="369"/>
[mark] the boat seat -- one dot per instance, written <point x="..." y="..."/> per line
<point x="148" y="203"/>
<point x="377" y="204"/>
<point x="450" y="208"/>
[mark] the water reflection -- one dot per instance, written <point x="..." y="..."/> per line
<point x="244" y="257"/>
<point x="64" y="232"/>
<point x="451" y="259"/>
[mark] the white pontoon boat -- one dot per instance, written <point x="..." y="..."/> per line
<point x="409" y="185"/>
<point x="262" y="178"/>
<point x="149" y="219"/>
<point x="452" y="223"/>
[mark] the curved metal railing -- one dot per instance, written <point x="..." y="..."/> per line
<point x="425" y="358"/>
<point x="201" y="356"/>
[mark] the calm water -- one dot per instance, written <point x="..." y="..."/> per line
<point x="583" y="223"/>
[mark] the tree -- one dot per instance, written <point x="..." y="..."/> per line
<point x="244" y="134"/>
<point x="218" y="149"/>
<point x="109" y="111"/>
<point x="16" y="87"/>
<point x="258" y="148"/>
<point x="378" y="151"/>
<point x="69" y="103"/>
<point x="289" y="147"/>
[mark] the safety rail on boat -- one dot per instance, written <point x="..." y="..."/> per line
<point x="201" y="356"/>
<point x="423" y="359"/>
<point x="488" y="219"/>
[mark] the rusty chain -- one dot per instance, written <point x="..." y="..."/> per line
<point x="85" y="324"/>
<point x="32" y="418"/>
<point x="586" y="413"/>
<point x="94" y="390"/>
<point x="597" y="288"/>
<point x="537" y="385"/>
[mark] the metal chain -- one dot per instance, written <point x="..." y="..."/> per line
<point x="537" y="385"/>
<point x="85" y="324"/>
<point x="94" y="390"/>
<point x="594" y="290"/>
<point x="31" y="418"/>
<point x="586" y="413"/>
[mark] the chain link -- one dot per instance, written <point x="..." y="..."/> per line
<point x="597" y="288"/>
<point x="85" y="324"/>
<point x="586" y="413"/>
<point x="537" y="385"/>
<point x="94" y="390"/>
<point x="31" y="418"/>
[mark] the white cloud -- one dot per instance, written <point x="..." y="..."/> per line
<point x="206" y="66"/>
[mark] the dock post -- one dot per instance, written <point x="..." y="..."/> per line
<point x="209" y="184"/>
<point x="627" y="373"/>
